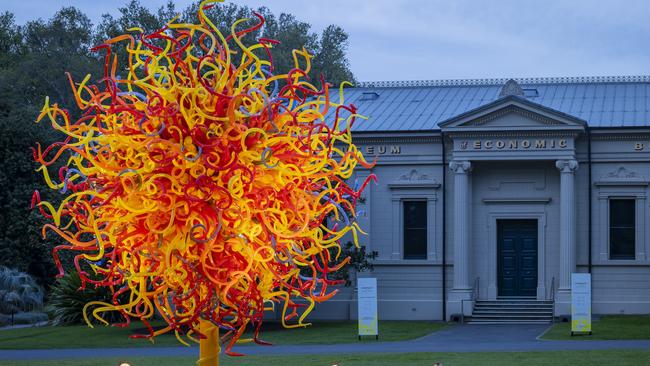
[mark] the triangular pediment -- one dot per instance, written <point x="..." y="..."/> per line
<point x="512" y="113"/>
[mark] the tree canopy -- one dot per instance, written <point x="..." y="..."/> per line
<point x="34" y="58"/>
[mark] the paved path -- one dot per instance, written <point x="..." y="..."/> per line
<point x="17" y="326"/>
<point x="461" y="338"/>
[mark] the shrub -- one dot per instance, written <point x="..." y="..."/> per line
<point x="360" y="261"/>
<point x="67" y="300"/>
<point x="19" y="292"/>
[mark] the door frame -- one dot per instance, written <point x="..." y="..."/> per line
<point x="493" y="290"/>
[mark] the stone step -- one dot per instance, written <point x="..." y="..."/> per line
<point x="512" y="310"/>
<point x="520" y="312"/>
<point x="508" y="321"/>
<point x="512" y="307"/>
<point x="513" y="304"/>
<point x="517" y="301"/>
<point x="511" y="316"/>
<point x="496" y="303"/>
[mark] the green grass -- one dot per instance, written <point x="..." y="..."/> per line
<point x="560" y="358"/>
<point x="101" y="336"/>
<point x="608" y="327"/>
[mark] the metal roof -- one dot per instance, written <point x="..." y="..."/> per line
<point x="421" y="105"/>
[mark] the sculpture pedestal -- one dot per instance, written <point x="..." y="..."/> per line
<point x="208" y="347"/>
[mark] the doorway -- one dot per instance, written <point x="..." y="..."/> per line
<point x="517" y="257"/>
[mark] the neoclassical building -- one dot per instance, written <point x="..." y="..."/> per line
<point x="492" y="192"/>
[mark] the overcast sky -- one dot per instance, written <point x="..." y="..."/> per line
<point x="451" y="39"/>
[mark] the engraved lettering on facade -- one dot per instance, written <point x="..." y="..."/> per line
<point x="537" y="144"/>
<point x="383" y="150"/>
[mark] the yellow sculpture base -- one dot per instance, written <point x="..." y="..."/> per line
<point x="209" y="347"/>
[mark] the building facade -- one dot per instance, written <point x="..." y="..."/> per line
<point x="503" y="188"/>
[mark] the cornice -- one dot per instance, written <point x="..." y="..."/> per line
<point x="510" y="133"/>
<point x="501" y="81"/>
<point x="620" y="137"/>
<point x="395" y="139"/>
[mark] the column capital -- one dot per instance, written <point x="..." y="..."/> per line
<point x="567" y="165"/>
<point x="460" y="166"/>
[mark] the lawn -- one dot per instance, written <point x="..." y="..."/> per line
<point x="569" y="358"/>
<point x="606" y="328"/>
<point x="101" y="336"/>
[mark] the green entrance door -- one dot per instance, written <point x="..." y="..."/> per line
<point x="517" y="257"/>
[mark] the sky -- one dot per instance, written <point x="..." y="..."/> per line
<point x="453" y="39"/>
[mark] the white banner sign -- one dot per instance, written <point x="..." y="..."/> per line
<point x="580" y="303"/>
<point x="367" y="302"/>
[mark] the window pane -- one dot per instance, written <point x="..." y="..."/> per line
<point x="622" y="244"/>
<point x="622" y="230"/>
<point x="621" y="212"/>
<point x="415" y="230"/>
<point x="415" y="214"/>
<point x="415" y="244"/>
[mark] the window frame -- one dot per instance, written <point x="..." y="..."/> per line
<point x="604" y="193"/>
<point x="434" y="233"/>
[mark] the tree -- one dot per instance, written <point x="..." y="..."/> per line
<point x="51" y="49"/>
<point x="39" y="54"/>
<point x="10" y="39"/>
<point x="134" y="15"/>
<point x="331" y="57"/>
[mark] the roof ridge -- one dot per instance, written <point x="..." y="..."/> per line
<point x="501" y="81"/>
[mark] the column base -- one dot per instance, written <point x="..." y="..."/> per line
<point x="455" y="302"/>
<point x="563" y="302"/>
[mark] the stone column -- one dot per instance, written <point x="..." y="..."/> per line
<point x="462" y="229"/>
<point x="567" y="170"/>
<point x="461" y="290"/>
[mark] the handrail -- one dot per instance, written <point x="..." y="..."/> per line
<point x="475" y="295"/>
<point x="553" y="299"/>
<point x="553" y="289"/>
